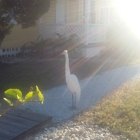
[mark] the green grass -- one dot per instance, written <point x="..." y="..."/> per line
<point x="120" y="111"/>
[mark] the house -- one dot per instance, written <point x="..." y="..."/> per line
<point x="12" y="43"/>
<point x="86" y="18"/>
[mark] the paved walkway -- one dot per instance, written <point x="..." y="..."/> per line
<point x="58" y="100"/>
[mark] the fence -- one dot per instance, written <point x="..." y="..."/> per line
<point x="92" y="33"/>
<point x="9" y="52"/>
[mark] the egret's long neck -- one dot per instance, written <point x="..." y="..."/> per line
<point x="67" y="68"/>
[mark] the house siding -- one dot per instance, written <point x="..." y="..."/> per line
<point x="73" y="12"/>
<point x="50" y="16"/>
<point x="20" y="36"/>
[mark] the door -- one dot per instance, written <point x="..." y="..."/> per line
<point x="60" y="11"/>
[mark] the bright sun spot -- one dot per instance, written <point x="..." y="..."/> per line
<point x="130" y="12"/>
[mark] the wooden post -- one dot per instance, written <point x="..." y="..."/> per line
<point x="87" y="19"/>
<point x="67" y="11"/>
<point x="79" y="11"/>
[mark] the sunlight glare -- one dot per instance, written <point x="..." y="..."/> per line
<point x="130" y="12"/>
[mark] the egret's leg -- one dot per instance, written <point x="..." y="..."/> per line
<point x="73" y="102"/>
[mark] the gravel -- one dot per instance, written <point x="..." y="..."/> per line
<point x="71" y="130"/>
<point x="58" y="101"/>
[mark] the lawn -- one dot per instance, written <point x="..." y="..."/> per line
<point x="119" y="111"/>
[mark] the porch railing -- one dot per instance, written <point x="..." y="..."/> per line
<point x="95" y="32"/>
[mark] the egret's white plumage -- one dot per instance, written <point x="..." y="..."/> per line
<point x="72" y="82"/>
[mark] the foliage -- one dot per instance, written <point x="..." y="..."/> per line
<point x="120" y="111"/>
<point x="16" y="94"/>
<point x="24" y="12"/>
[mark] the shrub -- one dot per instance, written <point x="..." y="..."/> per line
<point x="16" y="98"/>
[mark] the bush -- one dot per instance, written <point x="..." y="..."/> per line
<point x="16" y="98"/>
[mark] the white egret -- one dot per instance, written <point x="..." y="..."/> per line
<point x="72" y="82"/>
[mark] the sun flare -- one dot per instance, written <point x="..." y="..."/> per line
<point x="129" y="10"/>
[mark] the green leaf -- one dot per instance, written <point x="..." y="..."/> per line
<point x="8" y="101"/>
<point x="40" y="95"/>
<point x="12" y="93"/>
<point x="30" y="95"/>
<point x="20" y="99"/>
